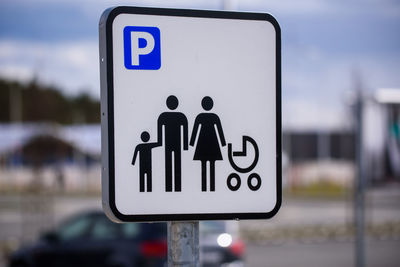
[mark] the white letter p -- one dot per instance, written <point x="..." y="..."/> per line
<point x="136" y="50"/>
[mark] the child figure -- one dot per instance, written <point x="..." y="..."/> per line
<point x="144" y="151"/>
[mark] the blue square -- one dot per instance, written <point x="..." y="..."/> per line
<point x="142" y="48"/>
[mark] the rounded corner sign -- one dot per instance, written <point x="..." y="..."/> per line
<point x="191" y="114"/>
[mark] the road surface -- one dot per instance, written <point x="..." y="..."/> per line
<point x="326" y="254"/>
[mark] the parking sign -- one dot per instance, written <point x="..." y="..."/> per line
<point x="142" y="48"/>
<point x="191" y="114"/>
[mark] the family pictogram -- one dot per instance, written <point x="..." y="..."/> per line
<point x="169" y="126"/>
<point x="144" y="151"/>
<point x="208" y="128"/>
<point x="207" y="137"/>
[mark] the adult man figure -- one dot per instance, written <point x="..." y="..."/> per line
<point x="172" y="122"/>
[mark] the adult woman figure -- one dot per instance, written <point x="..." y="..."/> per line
<point x="207" y="147"/>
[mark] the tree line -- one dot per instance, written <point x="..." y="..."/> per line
<point x="35" y="102"/>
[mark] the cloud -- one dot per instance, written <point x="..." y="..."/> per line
<point x="301" y="114"/>
<point x="72" y="66"/>
<point x="316" y="84"/>
<point x="324" y="7"/>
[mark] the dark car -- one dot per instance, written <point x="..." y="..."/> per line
<point x="91" y="239"/>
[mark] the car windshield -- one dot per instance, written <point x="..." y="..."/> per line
<point x="98" y="226"/>
<point x="75" y="228"/>
<point x="103" y="228"/>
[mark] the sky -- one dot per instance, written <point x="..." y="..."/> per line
<point x="326" y="46"/>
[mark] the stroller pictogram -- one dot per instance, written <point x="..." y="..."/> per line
<point x="234" y="176"/>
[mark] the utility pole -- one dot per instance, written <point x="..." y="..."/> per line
<point x="228" y="5"/>
<point x="359" y="185"/>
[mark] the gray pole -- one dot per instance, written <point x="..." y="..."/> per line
<point x="183" y="244"/>
<point x="359" y="185"/>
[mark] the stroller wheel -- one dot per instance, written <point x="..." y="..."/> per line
<point x="251" y="178"/>
<point x="233" y="176"/>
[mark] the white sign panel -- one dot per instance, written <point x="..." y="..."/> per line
<point x="191" y="121"/>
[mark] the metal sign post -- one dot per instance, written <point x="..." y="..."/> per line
<point x="183" y="244"/>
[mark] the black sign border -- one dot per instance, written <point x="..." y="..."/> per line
<point x="105" y="30"/>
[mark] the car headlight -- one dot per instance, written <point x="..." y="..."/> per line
<point x="224" y="240"/>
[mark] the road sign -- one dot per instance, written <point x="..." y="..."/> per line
<point x="191" y="114"/>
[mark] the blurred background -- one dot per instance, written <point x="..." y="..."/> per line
<point x="341" y="126"/>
